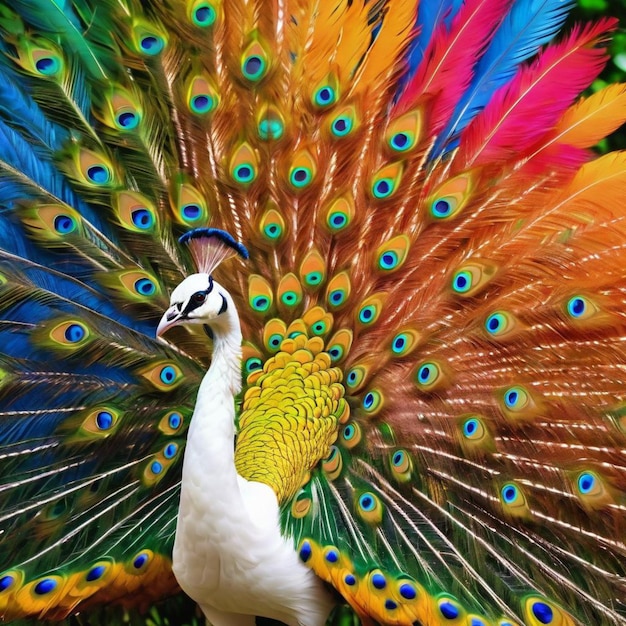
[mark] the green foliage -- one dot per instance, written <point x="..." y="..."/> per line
<point x="615" y="71"/>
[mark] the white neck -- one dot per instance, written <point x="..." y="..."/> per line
<point x="229" y="554"/>
<point x="212" y="431"/>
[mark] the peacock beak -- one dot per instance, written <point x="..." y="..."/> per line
<point x="170" y="318"/>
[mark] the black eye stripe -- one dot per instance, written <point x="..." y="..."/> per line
<point x="194" y="303"/>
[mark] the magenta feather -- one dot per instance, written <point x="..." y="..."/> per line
<point x="446" y="70"/>
<point x="519" y="114"/>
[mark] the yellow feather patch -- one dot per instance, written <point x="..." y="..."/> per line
<point x="338" y="346"/>
<point x="201" y="95"/>
<point x="591" y="119"/>
<point x="404" y="133"/>
<point x="289" y="417"/>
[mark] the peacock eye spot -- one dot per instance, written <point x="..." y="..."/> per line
<point x="449" y="610"/>
<point x="151" y="44"/>
<point x="543" y="612"/>
<point x="204" y="16"/>
<point x="142" y="218"/>
<point x="145" y="287"/>
<point x="400" y="141"/>
<point x="45" y="586"/>
<point x="95" y="573"/>
<point x="46" y="65"/>
<point x="192" y="211"/>
<point x="442" y="208"/>
<point x="140" y="560"/>
<point x="127" y="120"/>
<point x="64" y="224"/>
<point x="104" y="420"/>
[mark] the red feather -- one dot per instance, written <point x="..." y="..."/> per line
<point x="446" y="70"/>
<point x="520" y="113"/>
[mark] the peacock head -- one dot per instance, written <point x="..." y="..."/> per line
<point x="199" y="299"/>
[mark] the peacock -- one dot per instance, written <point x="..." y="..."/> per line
<point x="313" y="309"/>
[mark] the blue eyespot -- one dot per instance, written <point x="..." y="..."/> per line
<point x="462" y="282"/>
<point x="368" y="401"/>
<point x="168" y="375"/>
<point x="64" y="224"/>
<point x="270" y="129"/>
<point x="45" y="586"/>
<point x="366" y="314"/>
<point x="95" y="573"/>
<point x="156" y="467"/>
<point x="127" y="120"/>
<point x="367" y="502"/>
<point x="98" y="174"/>
<point x="325" y="96"/>
<point x="470" y="427"/>
<point x="253" y="67"/>
<point x="389" y="260"/>
<point x="586" y="482"/>
<point x="400" y="141"/>
<point x="74" y="333"/>
<point x="390" y="605"/>
<point x="145" y="287"/>
<point x="140" y="560"/>
<point x="204" y="16"/>
<point x="48" y="66"/>
<point x="170" y="450"/>
<point x="332" y="556"/>
<point x="379" y="581"/>
<point x="342" y="126"/>
<point x="151" y="44"/>
<point x="191" y="212"/>
<point x="104" y="420"/>
<point x="382" y="188"/>
<point x="441" y="208"/>
<point x="348" y="432"/>
<point x="6" y="582"/>
<point x="576" y="307"/>
<point x="408" y="591"/>
<point x="142" y="218"/>
<point x="543" y="612"/>
<point x="449" y="610"/>
<point x="305" y="551"/>
<point x="350" y="580"/>
<point x="509" y="493"/>
<point x="174" y="421"/>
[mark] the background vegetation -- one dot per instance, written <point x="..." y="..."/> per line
<point x="179" y="611"/>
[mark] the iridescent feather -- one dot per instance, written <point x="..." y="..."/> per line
<point x="433" y="311"/>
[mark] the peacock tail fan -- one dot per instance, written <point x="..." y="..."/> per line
<point x="433" y="309"/>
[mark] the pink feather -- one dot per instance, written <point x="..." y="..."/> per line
<point x="519" y="114"/>
<point x="446" y="70"/>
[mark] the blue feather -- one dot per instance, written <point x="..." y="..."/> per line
<point x="529" y="25"/>
<point x="429" y="16"/>
<point x="23" y="112"/>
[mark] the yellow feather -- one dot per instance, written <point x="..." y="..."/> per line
<point x="382" y="58"/>
<point x="593" y="118"/>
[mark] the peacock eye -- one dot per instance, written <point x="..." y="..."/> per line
<point x="199" y="297"/>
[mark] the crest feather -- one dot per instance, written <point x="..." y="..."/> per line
<point x="210" y="246"/>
